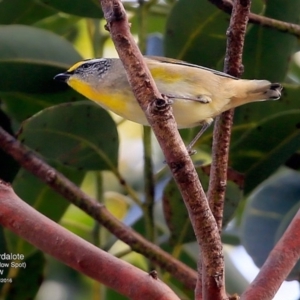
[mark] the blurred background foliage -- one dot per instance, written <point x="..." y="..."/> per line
<point x="96" y="149"/>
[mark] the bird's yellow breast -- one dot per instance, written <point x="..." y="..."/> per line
<point x="121" y="102"/>
<point x="112" y="101"/>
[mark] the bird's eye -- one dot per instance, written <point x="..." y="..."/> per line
<point x="85" y="66"/>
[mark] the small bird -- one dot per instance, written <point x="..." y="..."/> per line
<point x="198" y="94"/>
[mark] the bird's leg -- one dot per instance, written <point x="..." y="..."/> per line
<point x="205" y="125"/>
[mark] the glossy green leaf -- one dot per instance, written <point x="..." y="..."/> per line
<point x="29" y="59"/>
<point x="29" y="279"/>
<point x="81" y="135"/>
<point x="20" y="42"/>
<point x="89" y="8"/>
<point x="176" y="214"/>
<point x="23" y="12"/>
<point x="263" y="148"/>
<point x="202" y="38"/>
<point x="267" y="51"/>
<point x="22" y="106"/>
<point x="255" y="148"/>
<point x="30" y="77"/>
<point x="265" y="211"/>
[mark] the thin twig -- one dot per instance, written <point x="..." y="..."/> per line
<point x="58" y="182"/>
<point x="278" y="265"/>
<point x="294" y="29"/>
<point x="148" y="204"/>
<point x="161" y="119"/>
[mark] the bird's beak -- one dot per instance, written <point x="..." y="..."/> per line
<point x="63" y="77"/>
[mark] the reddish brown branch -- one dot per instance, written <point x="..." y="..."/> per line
<point x="70" y="191"/>
<point x="46" y="235"/>
<point x="223" y="123"/>
<point x="278" y="265"/>
<point x="159" y="115"/>
<point x="222" y="129"/>
<point x="294" y="29"/>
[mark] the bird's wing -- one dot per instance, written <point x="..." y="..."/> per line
<point x="183" y="63"/>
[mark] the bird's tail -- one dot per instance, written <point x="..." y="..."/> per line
<point x="256" y="90"/>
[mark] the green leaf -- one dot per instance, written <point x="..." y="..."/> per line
<point x="88" y="8"/>
<point x="29" y="59"/>
<point x="255" y="148"/>
<point x="176" y="214"/>
<point x="267" y="145"/>
<point x="20" y="42"/>
<point x="22" y="106"/>
<point x="81" y="135"/>
<point x="28" y="280"/>
<point x="202" y="39"/>
<point x="264" y="56"/>
<point x="30" y="77"/>
<point x="23" y="12"/>
<point x="266" y="209"/>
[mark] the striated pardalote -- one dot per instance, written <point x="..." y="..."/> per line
<point x="198" y="94"/>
